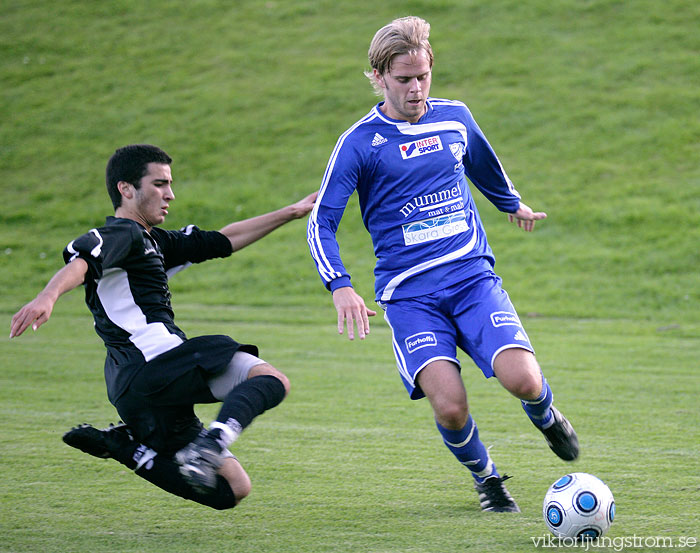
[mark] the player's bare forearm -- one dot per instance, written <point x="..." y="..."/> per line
<point x="38" y="311"/>
<point x="243" y="233"/>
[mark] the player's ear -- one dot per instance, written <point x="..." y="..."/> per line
<point x="378" y="78"/>
<point x="126" y="189"/>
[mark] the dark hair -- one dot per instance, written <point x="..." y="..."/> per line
<point x="130" y="164"/>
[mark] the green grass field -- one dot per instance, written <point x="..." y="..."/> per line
<point x="592" y="107"/>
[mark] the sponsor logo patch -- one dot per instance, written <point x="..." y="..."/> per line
<point x="443" y="226"/>
<point x="503" y="318"/>
<point x="420" y="147"/>
<point x="420" y="340"/>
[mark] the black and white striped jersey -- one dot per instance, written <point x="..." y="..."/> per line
<point x="126" y="289"/>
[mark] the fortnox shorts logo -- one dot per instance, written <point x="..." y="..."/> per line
<point x="503" y="318"/>
<point x="420" y="340"/>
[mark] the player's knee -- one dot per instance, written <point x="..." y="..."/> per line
<point x="529" y="386"/>
<point x="285" y="382"/>
<point x="229" y="493"/>
<point x="519" y="373"/>
<point x="452" y="415"/>
<point x="283" y="379"/>
<point x="237" y="478"/>
<point x="267" y="369"/>
<point x="241" y="489"/>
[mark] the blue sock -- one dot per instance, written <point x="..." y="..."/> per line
<point x="469" y="450"/>
<point x="539" y="409"/>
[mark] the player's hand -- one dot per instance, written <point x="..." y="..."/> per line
<point x="35" y="313"/>
<point x="304" y="206"/>
<point x="526" y="218"/>
<point x="353" y="311"/>
<point x="38" y="311"/>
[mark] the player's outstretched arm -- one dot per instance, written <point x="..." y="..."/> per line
<point x="38" y="311"/>
<point x="526" y="218"/>
<point x="243" y="233"/>
<point x="352" y="311"/>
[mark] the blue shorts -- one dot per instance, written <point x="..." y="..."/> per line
<point x="477" y="316"/>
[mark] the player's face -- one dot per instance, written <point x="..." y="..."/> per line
<point x="406" y="86"/>
<point x="151" y="200"/>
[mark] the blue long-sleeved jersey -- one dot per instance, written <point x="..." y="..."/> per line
<point x="414" y="198"/>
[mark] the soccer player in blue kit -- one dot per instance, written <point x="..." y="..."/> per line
<point x="409" y="159"/>
<point x="154" y="373"/>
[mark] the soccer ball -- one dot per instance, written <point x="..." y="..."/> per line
<point x="579" y="506"/>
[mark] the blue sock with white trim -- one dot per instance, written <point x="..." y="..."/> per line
<point x="466" y="446"/>
<point x="539" y="409"/>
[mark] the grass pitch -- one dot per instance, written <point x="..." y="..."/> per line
<point x="592" y="107"/>
<point x="347" y="463"/>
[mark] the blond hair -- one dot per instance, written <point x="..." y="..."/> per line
<point x="406" y="35"/>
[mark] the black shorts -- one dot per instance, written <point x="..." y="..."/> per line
<point x="159" y="404"/>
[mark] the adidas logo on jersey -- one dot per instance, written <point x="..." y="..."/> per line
<point x="520" y="335"/>
<point x="378" y="140"/>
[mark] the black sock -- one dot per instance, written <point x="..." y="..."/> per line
<point x="164" y="472"/>
<point x="250" y="399"/>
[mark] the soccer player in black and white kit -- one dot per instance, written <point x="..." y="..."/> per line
<point x="154" y="373"/>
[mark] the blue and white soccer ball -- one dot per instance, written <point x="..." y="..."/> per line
<point x="579" y="506"/>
